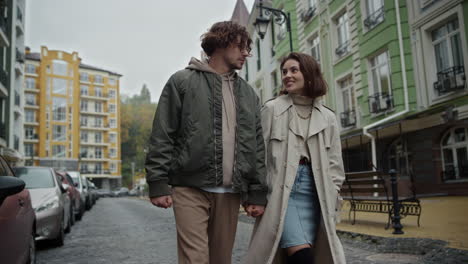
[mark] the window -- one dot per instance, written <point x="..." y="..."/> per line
<point x="98" y="168"/>
<point x="111" y="93"/>
<point x="454" y="154"/>
<point x="84" y="152"/>
<point x="348" y="116"/>
<point x="29" y="150"/>
<point x="84" y="168"/>
<point x="98" y="153"/>
<point x="59" y="67"/>
<point x="58" y="151"/>
<point x="30" y="132"/>
<point x="112" y="81"/>
<point x="97" y="78"/>
<point x="342" y="28"/>
<point x="98" y="91"/>
<point x="84" y="121"/>
<point x="112" y="153"/>
<point x="84" y="105"/>
<point x="59" y="86"/>
<point x="111" y="108"/>
<point x="30" y="115"/>
<point x="59" y="109"/>
<point x="375" y="13"/>
<point x="84" y="136"/>
<point x="84" y="77"/>
<point x="310" y="11"/>
<point x="113" y="123"/>
<point x="30" y="83"/>
<point x="84" y="89"/>
<point x="59" y="133"/>
<point x="98" y="122"/>
<point x="380" y="89"/>
<point x="97" y="107"/>
<point x="274" y="83"/>
<point x="315" y="48"/>
<point x="113" y="138"/>
<point x="98" y="137"/>
<point x="30" y="68"/>
<point x="113" y="167"/>
<point x="30" y="98"/>
<point x="448" y="58"/>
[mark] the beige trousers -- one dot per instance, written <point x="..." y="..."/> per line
<point x="206" y="225"/>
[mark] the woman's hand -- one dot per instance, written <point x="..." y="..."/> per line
<point x="254" y="210"/>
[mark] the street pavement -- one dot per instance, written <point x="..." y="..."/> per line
<point x="131" y="230"/>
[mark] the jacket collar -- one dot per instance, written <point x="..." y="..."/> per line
<point x="317" y="123"/>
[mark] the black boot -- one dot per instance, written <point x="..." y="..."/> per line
<point x="302" y="256"/>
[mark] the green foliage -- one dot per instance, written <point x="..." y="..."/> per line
<point x="137" y="113"/>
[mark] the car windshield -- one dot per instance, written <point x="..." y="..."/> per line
<point x="76" y="180"/>
<point x="36" y="177"/>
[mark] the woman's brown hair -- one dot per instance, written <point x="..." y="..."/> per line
<point x="222" y="34"/>
<point x="314" y="84"/>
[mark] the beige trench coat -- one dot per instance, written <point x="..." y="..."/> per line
<point x="282" y="159"/>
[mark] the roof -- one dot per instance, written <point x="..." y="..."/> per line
<point x="240" y="13"/>
<point x="37" y="57"/>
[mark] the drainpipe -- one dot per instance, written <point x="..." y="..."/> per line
<point x="405" y="91"/>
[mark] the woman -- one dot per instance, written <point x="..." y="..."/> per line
<point x="304" y="172"/>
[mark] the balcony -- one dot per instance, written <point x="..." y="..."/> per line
<point x="348" y="118"/>
<point x="375" y="18"/>
<point x="101" y="96"/>
<point x="3" y="30"/>
<point x="307" y="15"/>
<point x="343" y="49"/>
<point x="450" y="80"/>
<point x="380" y="102"/>
<point x="31" y="138"/>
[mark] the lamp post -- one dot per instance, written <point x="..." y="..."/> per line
<point x="262" y="22"/>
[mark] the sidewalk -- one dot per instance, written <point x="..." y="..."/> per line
<point x="442" y="218"/>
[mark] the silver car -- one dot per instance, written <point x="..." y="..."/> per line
<point x="50" y="201"/>
<point x="81" y="186"/>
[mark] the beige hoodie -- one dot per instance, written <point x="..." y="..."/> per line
<point x="229" y="119"/>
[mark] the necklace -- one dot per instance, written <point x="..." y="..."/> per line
<point x="301" y="116"/>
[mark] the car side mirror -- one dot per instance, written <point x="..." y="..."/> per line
<point x="65" y="187"/>
<point x="75" y="184"/>
<point x="10" y="185"/>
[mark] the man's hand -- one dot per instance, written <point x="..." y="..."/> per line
<point x="254" y="210"/>
<point x="162" y="201"/>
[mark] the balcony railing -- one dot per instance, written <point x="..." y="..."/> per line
<point x="19" y="56"/>
<point x="380" y="102"/>
<point x="3" y="22"/>
<point x="348" y="118"/>
<point x="452" y="173"/>
<point x="342" y="49"/>
<point x="31" y="137"/>
<point x="307" y="15"/>
<point x="450" y="80"/>
<point x="3" y="77"/>
<point x="375" y="18"/>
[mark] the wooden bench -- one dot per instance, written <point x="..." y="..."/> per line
<point x="367" y="191"/>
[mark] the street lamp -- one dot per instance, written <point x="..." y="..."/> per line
<point x="262" y="22"/>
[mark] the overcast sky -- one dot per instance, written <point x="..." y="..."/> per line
<point x="144" y="40"/>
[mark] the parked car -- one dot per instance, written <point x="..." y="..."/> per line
<point x="50" y="202"/>
<point x="82" y="188"/>
<point x="122" y="191"/>
<point x="74" y="195"/>
<point x="104" y="193"/>
<point x="93" y="191"/>
<point x="17" y="219"/>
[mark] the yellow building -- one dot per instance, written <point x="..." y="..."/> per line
<point x="72" y="116"/>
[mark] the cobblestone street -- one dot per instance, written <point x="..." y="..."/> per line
<point x="129" y="230"/>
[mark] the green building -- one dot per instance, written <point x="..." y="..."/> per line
<point x="396" y="79"/>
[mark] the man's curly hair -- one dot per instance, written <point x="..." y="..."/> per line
<point x="222" y="34"/>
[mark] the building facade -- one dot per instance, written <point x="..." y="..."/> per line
<point x="11" y="79"/>
<point x="395" y="71"/>
<point x="72" y="116"/>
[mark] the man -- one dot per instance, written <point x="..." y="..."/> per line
<point x="207" y="144"/>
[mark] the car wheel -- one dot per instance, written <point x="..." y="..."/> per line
<point x="58" y="241"/>
<point x="32" y="249"/>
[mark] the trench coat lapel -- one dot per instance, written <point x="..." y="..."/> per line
<point x="318" y="121"/>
